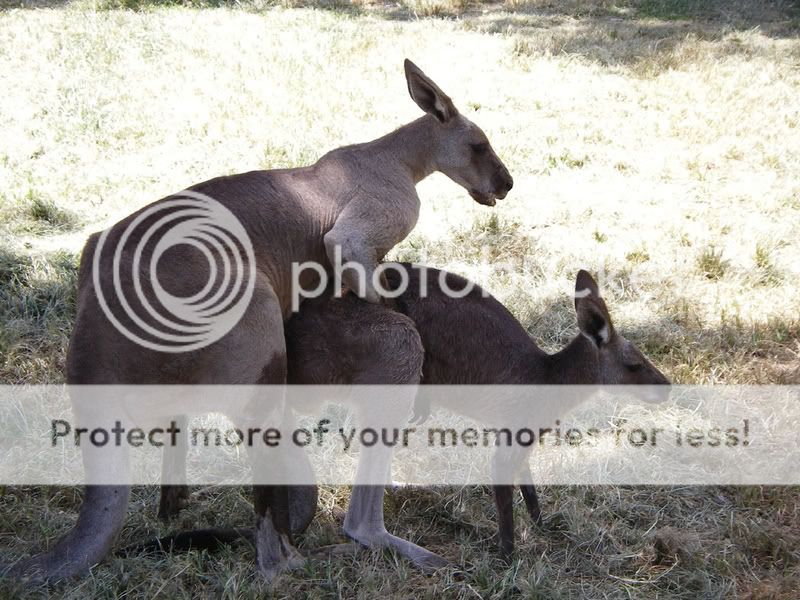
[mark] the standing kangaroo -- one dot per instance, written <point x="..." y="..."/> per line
<point x="467" y="340"/>
<point x="358" y="199"/>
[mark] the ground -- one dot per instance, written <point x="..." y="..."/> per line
<point x="655" y="143"/>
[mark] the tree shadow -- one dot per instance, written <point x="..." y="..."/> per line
<point x="648" y="36"/>
<point x="609" y="32"/>
<point x="773" y="17"/>
<point x="349" y="7"/>
<point x="686" y="350"/>
<point x="37" y="308"/>
<point x="646" y="44"/>
<point x="31" y="4"/>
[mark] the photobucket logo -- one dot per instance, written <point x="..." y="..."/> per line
<point x="353" y="276"/>
<point x="178" y="277"/>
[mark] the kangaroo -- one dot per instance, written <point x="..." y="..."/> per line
<point x="357" y="201"/>
<point x="471" y="339"/>
<point x="468" y="340"/>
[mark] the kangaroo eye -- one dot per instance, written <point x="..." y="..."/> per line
<point x="479" y="148"/>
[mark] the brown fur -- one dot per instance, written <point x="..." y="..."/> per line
<point x="361" y="198"/>
<point x="470" y="340"/>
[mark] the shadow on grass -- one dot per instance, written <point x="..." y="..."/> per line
<point x="602" y="523"/>
<point x="32" y="4"/>
<point x="739" y="14"/>
<point x="37" y="309"/>
<point x="736" y="13"/>
<point x="688" y="352"/>
<point x="344" y="6"/>
<point x="646" y="36"/>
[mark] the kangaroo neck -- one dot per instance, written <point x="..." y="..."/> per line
<point x="413" y="147"/>
<point x="576" y="364"/>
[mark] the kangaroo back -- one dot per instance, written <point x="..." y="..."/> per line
<point x="468" y="337"/>
<point x="471" y="339"/>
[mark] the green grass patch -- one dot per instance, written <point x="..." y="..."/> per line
<point x="567" y="159"/>
<point x="672" y="9"/>
<point x="767" y="272"/>
<point x="45" y="215"/>
<point x="37" y="309"/>
<point x="638" y="256"/>
<point x="711" y="264"/>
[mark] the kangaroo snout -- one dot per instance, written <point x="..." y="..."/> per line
<point x="658" y="393"/>
<point x="502" y="183"/>
<point x="657" y="388"/>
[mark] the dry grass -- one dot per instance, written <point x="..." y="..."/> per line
<point x="654" y="142"/>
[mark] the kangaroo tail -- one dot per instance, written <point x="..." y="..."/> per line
<point x="211" y="539"/>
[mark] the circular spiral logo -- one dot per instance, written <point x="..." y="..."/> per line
<point x="182" y="273"/>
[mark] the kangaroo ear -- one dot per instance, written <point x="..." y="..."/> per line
<point x="427" y="94"/>
<point x="594" y="321"/>
<point x="585" y="285"/>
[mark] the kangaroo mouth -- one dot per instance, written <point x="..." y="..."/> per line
<point x="481" y="198"/>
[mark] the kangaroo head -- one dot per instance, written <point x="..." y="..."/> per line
<point x="620" y="361"/>
<point x="460" y="149"/>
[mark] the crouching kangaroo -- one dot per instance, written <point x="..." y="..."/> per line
<point x="470" y="339"/>
<point x="355" y="203"/>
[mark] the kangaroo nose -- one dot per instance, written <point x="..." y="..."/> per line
<point x="503" y="183"/>
<point x="659" y="393"/>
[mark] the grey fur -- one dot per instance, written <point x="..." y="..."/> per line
<point x="360" y="197"/>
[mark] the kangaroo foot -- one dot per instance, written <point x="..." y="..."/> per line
<point x="274" y="551"/>
<point x="422" y="558"/>
<point x="174" y="498"/>
<point x="331" y="550"/>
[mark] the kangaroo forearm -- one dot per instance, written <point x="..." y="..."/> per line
<point x="354" y="262"/>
